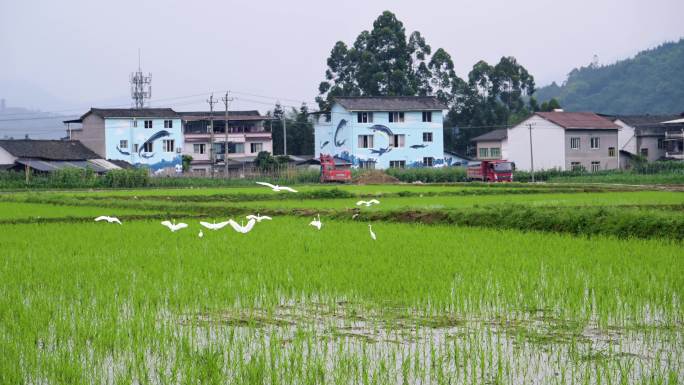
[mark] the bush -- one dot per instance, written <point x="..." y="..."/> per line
<point x="128" y="178"/>
<point x="429" y="175"/>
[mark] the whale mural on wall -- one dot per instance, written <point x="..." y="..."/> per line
<point x="151" y="139"/>
<point x="340" y="127"/>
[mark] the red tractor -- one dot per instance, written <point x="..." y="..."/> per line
<point x="332" y="172"/>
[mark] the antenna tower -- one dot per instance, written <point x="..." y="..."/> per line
<point x="141" y="86"/>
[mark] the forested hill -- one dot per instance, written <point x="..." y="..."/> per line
<point x="651" y="82"/>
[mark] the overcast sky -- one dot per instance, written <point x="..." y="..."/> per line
<point x="79" y="53"/>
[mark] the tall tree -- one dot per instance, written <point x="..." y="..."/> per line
<point x="384" y="61"/>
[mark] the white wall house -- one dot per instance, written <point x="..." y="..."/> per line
<point x="554" y="140"/>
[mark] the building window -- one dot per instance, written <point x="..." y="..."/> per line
<point x="364" y="117"/>
<point x="595" y="143"/>
<point x="148" y="147"/>
<point x="427" y="116"/>
<point x="483" y="152"/>
<point x="148" y="124"/>
<point x="199" y="148"/>
<point x="123" y="144"/>
<point x="396" y="117"/>
<point x="168" y="124"/>
<point x="136" y="147"/>
<point x="397" y="140"/>
<point x="576" y="166"/>
<point x="575" y="143"/>
<point x="644" y="152"/>
<point x="169" y="145"/>
<point x="256" y="147"/>
<point x="367" y="164"/>
<point x="134" y="123"/>
<point x="595" y="166"/>
<point x="495" y="152"/>
<point x="397" y="164"/>
<point x="611" y="151"/>
<point x="427" y="136"/>
<point x="660" y="144"/>
<point x="236" y="148"/>
<point x="365" y="141"/>
<point x="427" y="161"/>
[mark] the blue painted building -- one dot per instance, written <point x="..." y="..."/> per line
<point x="150" y="137"/>
<point x="383" y="132"/>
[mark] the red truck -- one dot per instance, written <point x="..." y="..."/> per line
<point x="491" y="171"/>
<point x="331" y="172"/>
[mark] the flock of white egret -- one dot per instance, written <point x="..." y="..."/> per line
<point x="251" y="219"/>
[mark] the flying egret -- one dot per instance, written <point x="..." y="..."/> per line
<point x="240" y="228"/>
<point x="277" y="188"/>
<point x="316" y="222"/>
<point x="201" y="234"/>
<point x="174" y="226"/>
<point x="372" y="234"/>
<point x="214" y="226"/>
<point x="368" y="203"/>
<point x="259" y="218"/>
<point x="108" y="219"/>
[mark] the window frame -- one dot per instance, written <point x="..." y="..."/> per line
<point x="396" y="117"/>
<point x="611" y="152"/>
<point x="574" y="139"/>
<point x="151" y="124"/>
<point x="576" y="166"/>
<point x="498" y="152"/>
<point x="165" y="145"/>
<point x="399" y="139"/>
<point x="595" y="166"/>
<point x="429" y="136"/>
<point x="595" y="143"/>
<point x="427" y="116"/>
<point x="201" y="146"/>
<point x="149" y="145"/>
<point x="252" y="145"/>
<point x="123" y="144"/>
<point x="365" y="141"/>
<point x="483" y="152"/>
<point x="431" y="162"/>
<point x="168" y="123"/>
<point x="397" y="164"/>
<point x="364" y="117"/>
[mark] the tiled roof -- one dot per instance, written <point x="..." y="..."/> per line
<point x="578" y="120"/>
<point x="48" y="149"/>
<point x="133" y="113"/>
<point x="498" y="134"/>
<point x="219" y="115"/>
<point x="390" y="103"/>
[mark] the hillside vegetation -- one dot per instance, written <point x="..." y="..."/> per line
<point x="650" y="82"/>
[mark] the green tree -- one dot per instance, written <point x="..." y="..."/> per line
<point x="384" y="61"/>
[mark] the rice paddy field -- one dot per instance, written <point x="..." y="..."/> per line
<point x="465" y="284"/>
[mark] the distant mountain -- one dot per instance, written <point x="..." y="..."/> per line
<point x="17" y="122"/>
<point x="652" y="82"/>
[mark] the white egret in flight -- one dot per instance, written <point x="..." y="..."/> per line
<point x="259" y="218"/>
<point x="240" y="228"/>
<point x="108" y="219"/>
<point x="316" y="222"/>
<point x="276" y="187"/>
<point x="174" y="226"/>
<point x="368" y="203"/>
<point x="214" y="226"/>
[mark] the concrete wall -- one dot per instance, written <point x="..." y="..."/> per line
<point x="585" y="155"/>
<point x="489" y="145"/>
<point x="92" y="135"/>
<point x="626" y="139"/>
<point x="118" y="129"/>
<point x="6" y="157"/>
<point x="412" y="153"/>
<point x="649" y="140"/>
<point x="548" y="143"/>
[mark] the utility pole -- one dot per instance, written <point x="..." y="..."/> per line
<point x="226" y="101"/>
<point x="284" y="135"/>
<point x="211" y="102"/>
<point x="529" y="126"/>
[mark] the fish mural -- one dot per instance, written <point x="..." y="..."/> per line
<point x="122" y="152"/>
<point x="419" y="146"/>
<point x="340" y="127"/>
<point x="380" y="151"/>
<point x="324" y="144"/>
<point x="382" y="129"/>
<point x="151" y="139"/>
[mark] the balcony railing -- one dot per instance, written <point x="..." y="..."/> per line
<point x="674" y="135"/>
<point x="675" y="155"/>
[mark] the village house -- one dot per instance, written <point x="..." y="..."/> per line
<point x="383" y="132"/>
<point x="647" y="136"/>
<point x="151" y="137"/>
<point x="44" y="156"/>
<point x="247" y="135"/>
<point x="559" y="140"/>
